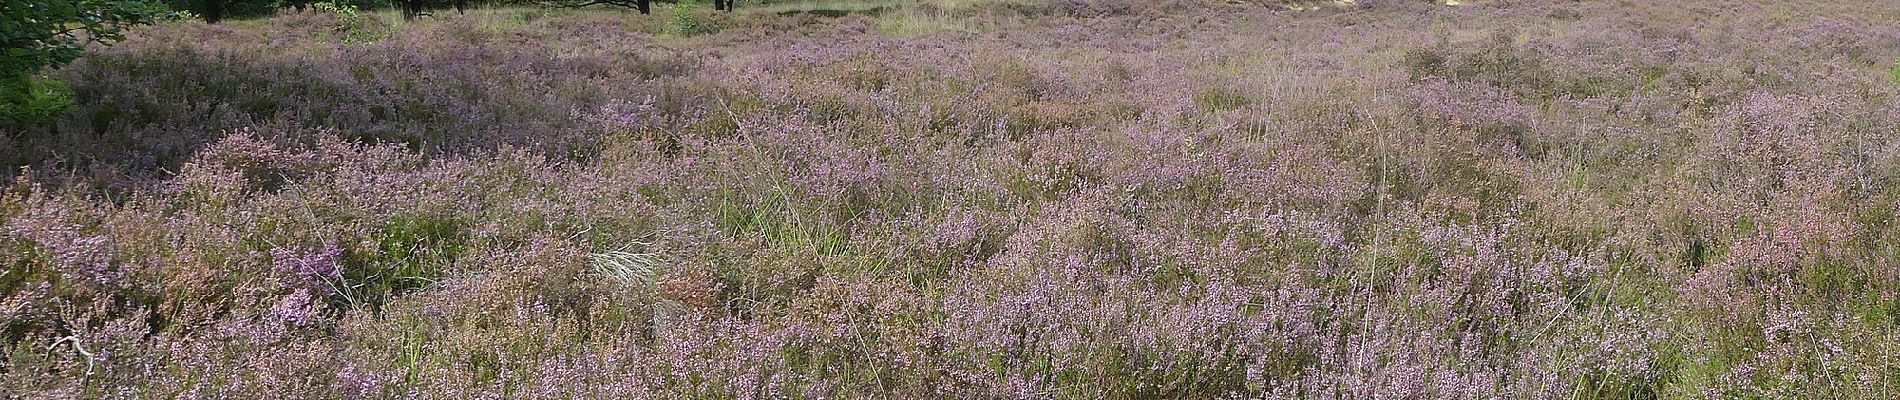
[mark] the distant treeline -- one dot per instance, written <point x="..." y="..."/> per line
<point x="217" y="10"/>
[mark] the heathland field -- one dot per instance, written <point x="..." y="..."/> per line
<point x="974" y="199"/>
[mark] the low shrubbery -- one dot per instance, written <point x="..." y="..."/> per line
<point x="1080" y="200"/>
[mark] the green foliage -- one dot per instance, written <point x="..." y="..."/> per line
<point x="332" y="5"/>
<point x="687" y="20"/>
<point x="37" y="34"/>
<point x="1893" y="74"/>
<point x="180" y="16"/>
<point x="355" y="25"/>
<point x="214" y="10"/>
<point x="345" y="10"/>
<point x="33" y="99"/>
<point x="1218" y="99"/>
<point x="409" y="253"/>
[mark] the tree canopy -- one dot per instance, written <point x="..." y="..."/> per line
<point x="40" y="34"/>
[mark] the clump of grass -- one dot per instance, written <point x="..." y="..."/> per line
<point x="1893" y="73"/>
<point x="409" y="253"/>
<point x="1217" y="99"/>
<point x="625" y="267"/>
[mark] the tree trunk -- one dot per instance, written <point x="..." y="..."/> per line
<point x="410" y="10"/>
<point x="214" y="11"/>
<point x="645" y="6"/>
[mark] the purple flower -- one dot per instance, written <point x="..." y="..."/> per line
<point x="310" y="269"/>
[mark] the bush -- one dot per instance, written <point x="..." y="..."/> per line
<point x="32" y="100"/>
<point x="687" y="20"/>
<point x="1120" y="200"/>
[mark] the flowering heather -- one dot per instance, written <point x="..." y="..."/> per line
<point x="997" y="199"/>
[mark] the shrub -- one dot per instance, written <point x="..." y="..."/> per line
<point x="1102" y="200"/>
<point x="688" y="21"/>
<point x="357" y="26"/>
<point x="33" y="100"/>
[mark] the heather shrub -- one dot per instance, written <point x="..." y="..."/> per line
<point x="1052" y="200"/>
<point x="1500" y="61"/>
